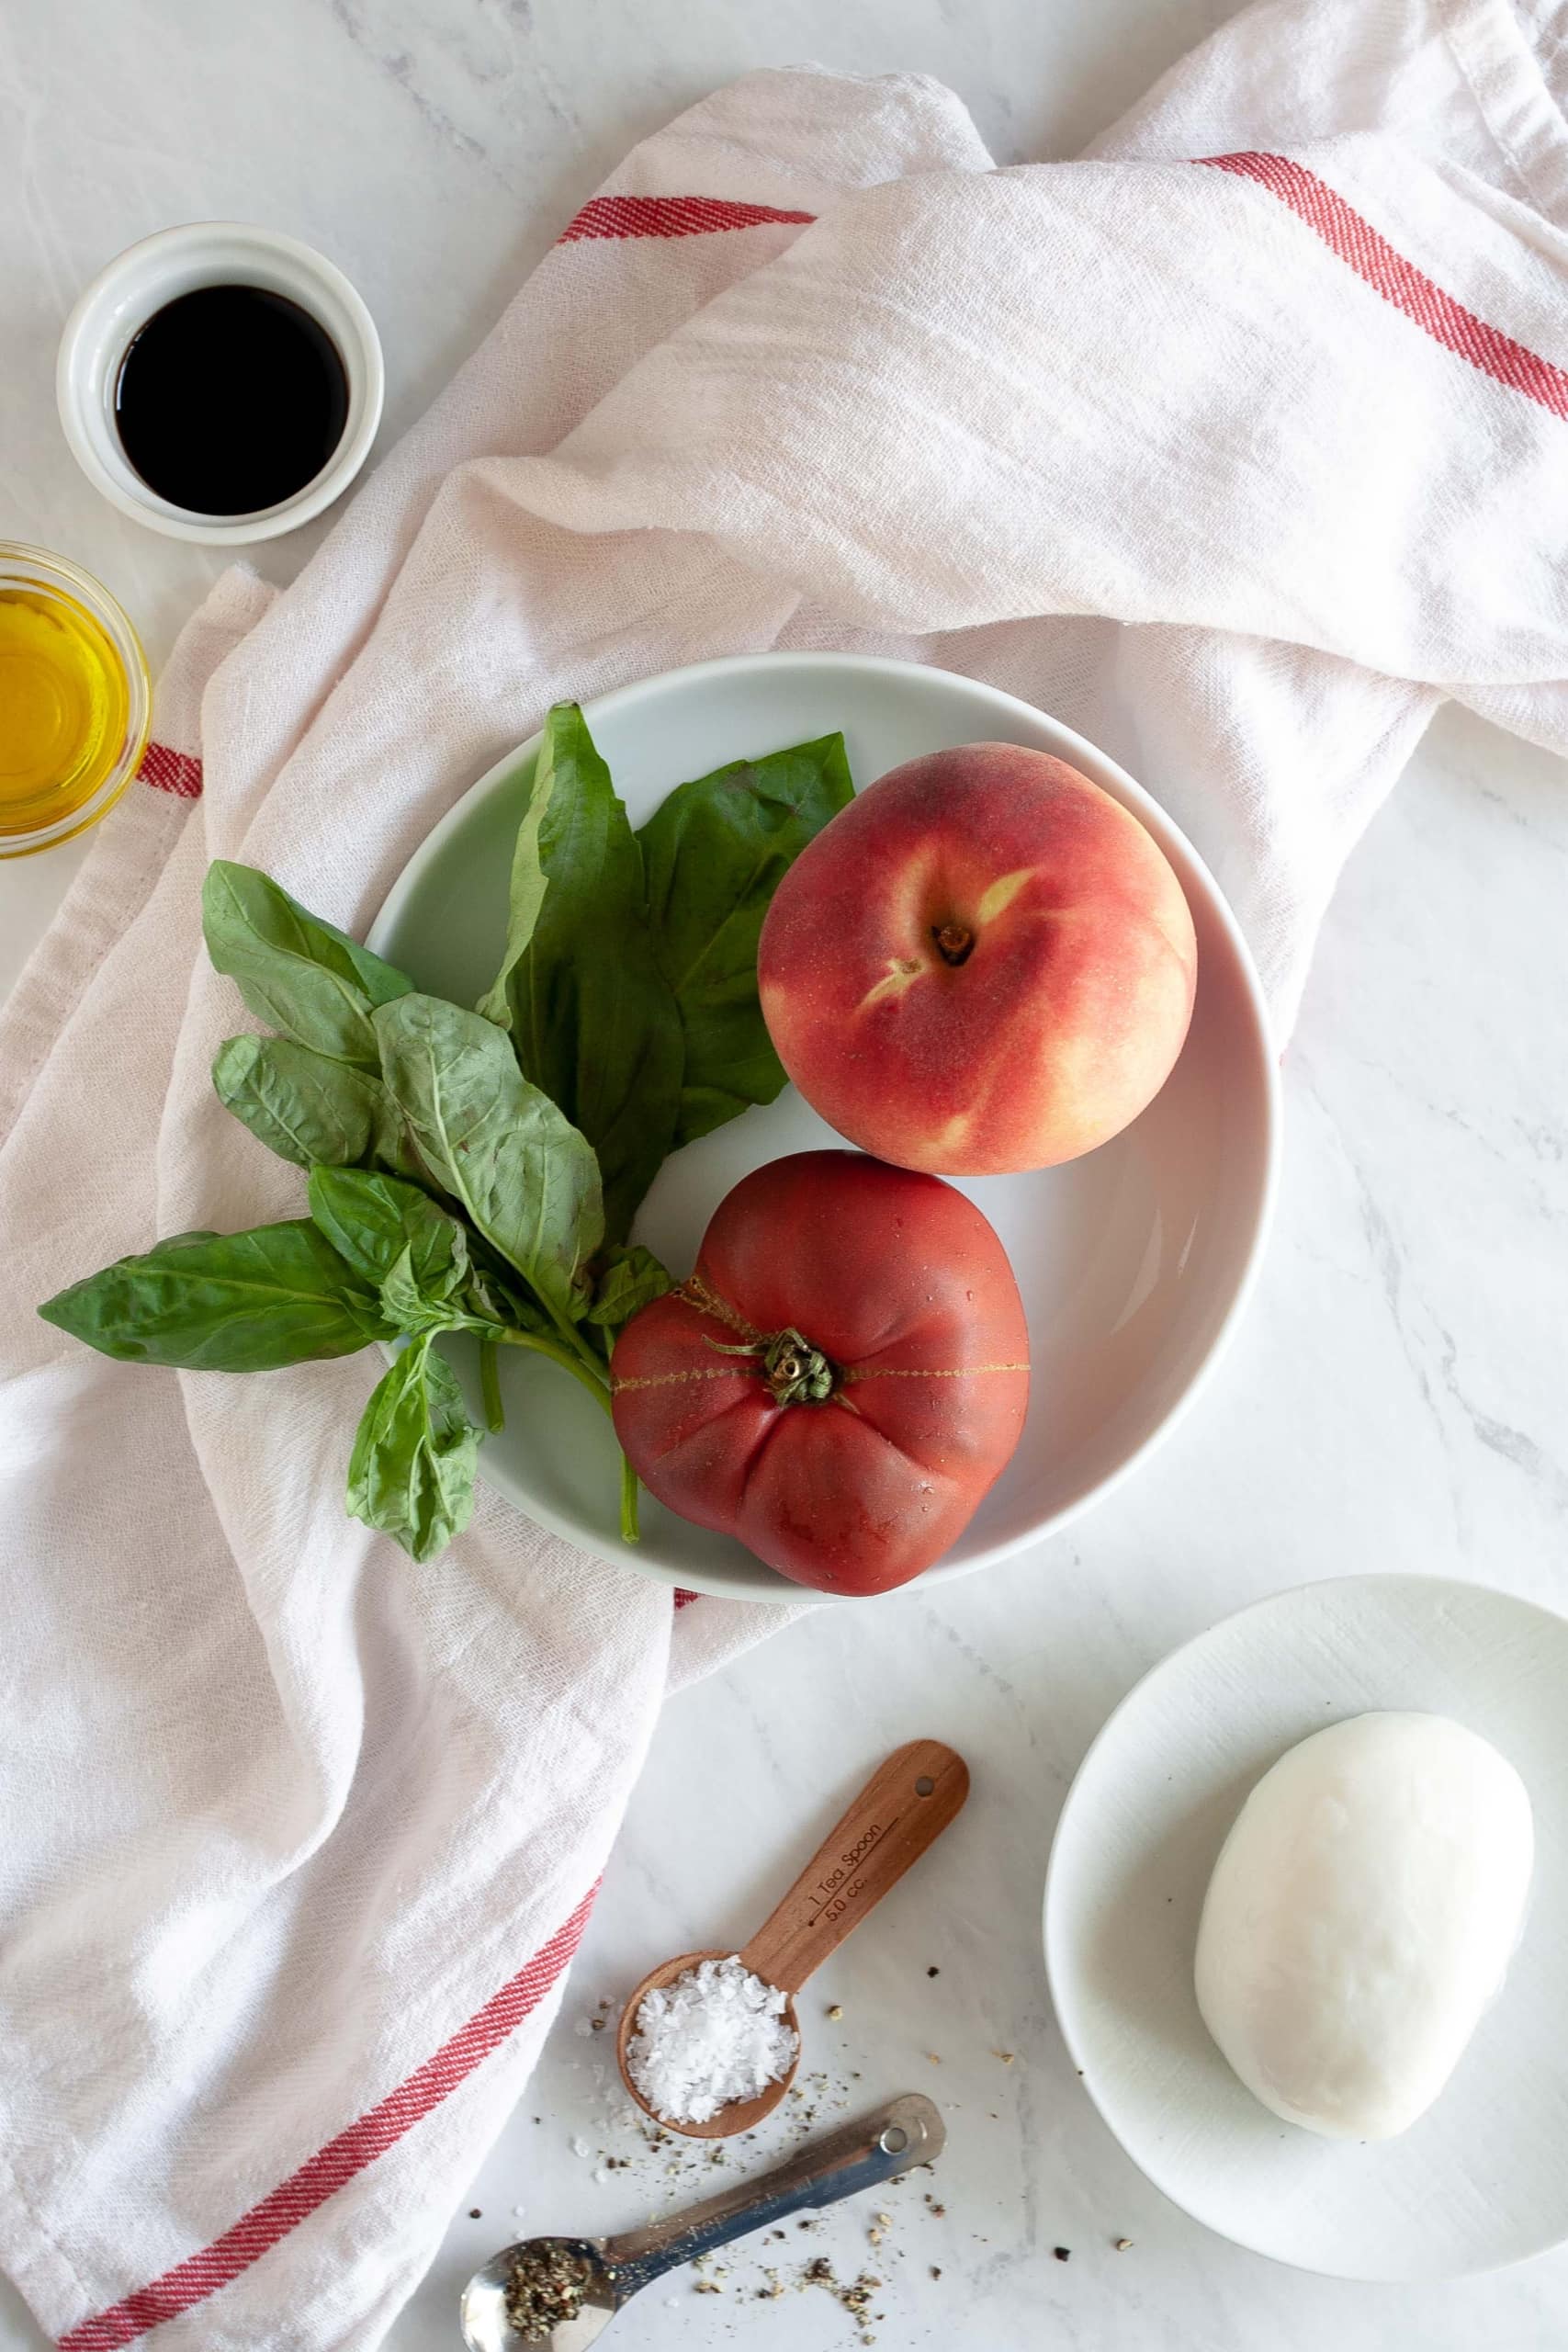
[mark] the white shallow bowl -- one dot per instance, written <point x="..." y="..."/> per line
<point x="125" y="295"/>
<point x="1482" y="2179"/>
<point x="1133" y="1262"/>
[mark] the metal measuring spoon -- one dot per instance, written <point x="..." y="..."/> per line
<point x="906" y="2132"/>
<point x="903" y="1808"/>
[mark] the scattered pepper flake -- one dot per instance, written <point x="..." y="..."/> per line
<point x="1063" y="2253"/>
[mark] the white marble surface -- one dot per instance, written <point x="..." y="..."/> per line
<point x="1395" y="1400"/>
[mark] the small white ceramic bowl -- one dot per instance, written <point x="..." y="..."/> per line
<point x="121" y="300"/>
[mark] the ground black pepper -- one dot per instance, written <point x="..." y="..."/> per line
<point x="544" y="2287"/>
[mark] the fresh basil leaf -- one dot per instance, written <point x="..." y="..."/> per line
<point x="629" y="1280"/>
<point x="495" y="1294"/>
<point x="225" y="1302"/>
<point x="308" y="979"/>
<point x="312" y="1109"/>
<point x="591" y="1015"/>
<point x="715" y="851"/>
<point x="392" y="1147"/>
<point x="372" y="1219"/>
<point x="406" y="1304"/>
<point x="411" y="1472"/>
<point x="519" y="1170"/>
<point x="563" y="743"/>
<point x="301" y="1104"/>
<point x="397" y="1238"/>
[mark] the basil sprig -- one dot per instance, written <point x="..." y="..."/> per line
<point x="463" y="1179"/>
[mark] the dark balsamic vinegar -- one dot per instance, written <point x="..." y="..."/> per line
<point x="230" y="399"/>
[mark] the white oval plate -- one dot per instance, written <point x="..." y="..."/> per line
<point x="1133" y="1262"/>
<point x="1482" y="2179"/>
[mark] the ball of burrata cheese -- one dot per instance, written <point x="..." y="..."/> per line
<point x="1360" y="1919"/>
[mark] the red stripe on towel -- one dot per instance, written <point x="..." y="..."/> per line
<point x="173" y="772"/>
<point x="331" y="2167"/>
<point x="1363" y="249"/>
<point x="668" y="216"/>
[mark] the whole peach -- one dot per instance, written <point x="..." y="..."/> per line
<point x="983" y="963"/>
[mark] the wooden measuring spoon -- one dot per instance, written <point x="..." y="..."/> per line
<point x="903" y="1808"/>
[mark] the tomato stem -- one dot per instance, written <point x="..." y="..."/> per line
<point x="798" y="1373"/>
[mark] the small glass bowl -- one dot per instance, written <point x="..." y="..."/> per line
<point x="54" y="576"/>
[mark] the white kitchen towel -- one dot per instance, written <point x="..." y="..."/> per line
<point x="1237" y="446"/>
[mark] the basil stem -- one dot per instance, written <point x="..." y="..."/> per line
<point x="490" y="1387"/>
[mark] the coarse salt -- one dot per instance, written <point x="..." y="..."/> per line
<point x="715" y="2035"/>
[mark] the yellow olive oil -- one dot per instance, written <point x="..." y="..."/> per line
<point x="64" y="704"/>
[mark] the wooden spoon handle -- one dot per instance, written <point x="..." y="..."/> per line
<point x="903" y="1808"/>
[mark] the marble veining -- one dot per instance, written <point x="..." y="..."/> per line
<point x="1394" y="1399"/>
